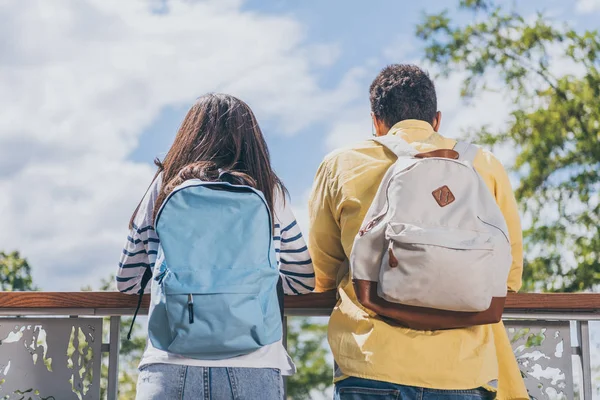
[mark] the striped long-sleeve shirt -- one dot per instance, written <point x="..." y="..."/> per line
<point x="141" y="248"/>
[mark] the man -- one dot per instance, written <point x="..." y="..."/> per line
<point x="376" y="360"/>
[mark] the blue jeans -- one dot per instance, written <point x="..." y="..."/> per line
<point x="365" y="389"/>
<point x="180" y="382"/>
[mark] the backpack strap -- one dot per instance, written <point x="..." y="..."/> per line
<point x="145" y="278"/>
<point x="396" y="145"/>
<point x="467" y="151"/>
<point x="280" y="297"/>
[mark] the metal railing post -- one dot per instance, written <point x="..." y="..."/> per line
<point x="583" y="337"/>
<point x="113" y="358"/>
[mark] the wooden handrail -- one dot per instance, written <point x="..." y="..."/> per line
<point x="544" y="302"/>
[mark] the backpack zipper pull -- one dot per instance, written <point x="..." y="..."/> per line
<point x="191" y="308"/>
<point x="370" y="225"/>
<point x="393" y="261"/>
<point x="159" y="278"/>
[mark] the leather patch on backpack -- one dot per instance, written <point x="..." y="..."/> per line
<point x="443" y="196"/>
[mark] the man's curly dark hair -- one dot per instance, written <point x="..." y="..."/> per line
<point x="403" y="91"/>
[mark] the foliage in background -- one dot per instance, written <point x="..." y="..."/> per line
<point x="15" y="273"/>
<point x="307" y="346"/>
<point x="554" y="127"/>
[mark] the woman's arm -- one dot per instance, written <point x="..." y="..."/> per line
<point x="295" y="264"/>
<point x="137" y="259"/>
<point x="139" y="253"/>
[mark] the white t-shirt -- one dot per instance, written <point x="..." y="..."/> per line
<point x="295" y="267"/>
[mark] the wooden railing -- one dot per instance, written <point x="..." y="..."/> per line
<point x="105" y="303"/>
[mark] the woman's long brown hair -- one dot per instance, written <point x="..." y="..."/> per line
<point x="219" y="132"/>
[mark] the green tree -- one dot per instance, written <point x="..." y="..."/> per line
<point x="554" y="126"/>
<point x="307" y="345"/>
<point x="15" y="273"/>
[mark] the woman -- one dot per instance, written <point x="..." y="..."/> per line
<point x="219" y="139"/>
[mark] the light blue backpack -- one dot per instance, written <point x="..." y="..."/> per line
<point x="215" y="290"/>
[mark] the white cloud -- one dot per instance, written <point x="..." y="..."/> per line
<point x="401" y="50"/>
<point x="353" y="126"/>
<point x="300" y="209"/>
<point x="81" y="79"/>
<point x="585" y="6"/>
<point x="491" y="109"/>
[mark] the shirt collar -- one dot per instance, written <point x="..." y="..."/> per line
<point x="412" y="130"/>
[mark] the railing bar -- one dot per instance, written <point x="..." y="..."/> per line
<point x="583" y="336"/>
<point x="554" y="302"/>
<point x="113" y="357"/>
<point x="105" y="348"/>
<point x="544" y="316"/>
<point x="306" y="312"/>
<point x="120" y="311"/>
<point x="62" y="312"/>
<point x="529" y="315"/>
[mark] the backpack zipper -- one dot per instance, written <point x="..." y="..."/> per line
<point x="494" y="226"/>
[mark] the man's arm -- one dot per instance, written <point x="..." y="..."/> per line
<point x="425" y="319"/>
<point x="324" y="239"/>
<point x="508" y="205"/>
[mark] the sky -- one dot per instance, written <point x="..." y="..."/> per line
<point x="91" y="91"/>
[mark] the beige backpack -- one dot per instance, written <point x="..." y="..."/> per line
<point x="433" y="237"/>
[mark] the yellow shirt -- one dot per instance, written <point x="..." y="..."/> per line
<point x="363" y="345"/>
